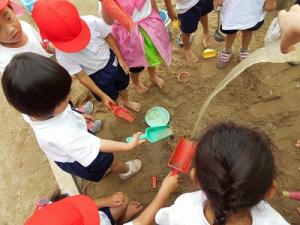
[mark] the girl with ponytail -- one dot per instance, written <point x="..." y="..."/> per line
<point x="235" y="174"/>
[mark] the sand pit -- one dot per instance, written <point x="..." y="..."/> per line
<point x="265" y="95"/>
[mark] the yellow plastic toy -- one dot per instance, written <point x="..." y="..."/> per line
<point x="175" y="26"/>
<point x="209" y="53"/>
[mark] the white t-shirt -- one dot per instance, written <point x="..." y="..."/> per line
<point x="242" y="14"/>
<point x="184" y="5"/>
<point x="94" y="56"/>
<point x="104" y="220"/>
<point x="137" y="15"/>
<point x="64" y="138"/>
<point x="33" y="45"/>
<point x="188" y="209"/>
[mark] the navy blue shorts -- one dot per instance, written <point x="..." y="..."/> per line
<point x="111" y="79"/>
<point x="190" y="19"/>
<point x="256" y="27"/>
<point x="107" y="212"/>
<point x="297" y="2"/>
<point x="93" y="172"/>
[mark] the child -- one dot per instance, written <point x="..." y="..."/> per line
<point x="61" y="132"/>
<point x="81" y="210"/>
<point x="16" y="36"/>
<point x="190" y="12"/>
<point x="246" y="16"/>
<point x="290" y="30"/>
<point x="235" y="172"/>
<point x="82" y="48"/>
<point x="147" y="46"/>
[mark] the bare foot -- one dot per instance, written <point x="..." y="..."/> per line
<point x="135" y="106"/>
<point x="133" y="209"/>
<point x="297" y="145"/>
<point x="190" y="56"/>
<point x="206" y="40"/>
<point x="298" y="210"/>
<point x="140" y="88"/>
<point x="159" y="82"/>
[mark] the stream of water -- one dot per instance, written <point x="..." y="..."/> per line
<point x="270" y="53"/>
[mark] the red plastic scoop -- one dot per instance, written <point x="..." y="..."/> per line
<point x="122" y="112"/>
<point x="182" y="156"/>
<point x="112" y="8"/>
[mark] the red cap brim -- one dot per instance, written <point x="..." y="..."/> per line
<point x="78" y="43"/>
<point x="3" y="4"/>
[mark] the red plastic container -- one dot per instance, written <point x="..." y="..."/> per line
<point x="122" y="112"/>
<point x="182" y="156"/>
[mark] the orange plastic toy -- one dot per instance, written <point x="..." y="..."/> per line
<point x="112" y="8"/>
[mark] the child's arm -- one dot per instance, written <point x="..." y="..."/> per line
<point x="115" y="146"/>
<point x="171" y="13"/>
<point x="110" y="40"/>
<point x="89" y="83"/>
<point x="270" y="5"/>
<point x="290" y="29"/>
<point x="107" y="18"/>
<point x="167" y="188"/>
<point x="154" y="5"/>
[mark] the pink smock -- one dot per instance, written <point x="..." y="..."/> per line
<point x="132" y="44"/>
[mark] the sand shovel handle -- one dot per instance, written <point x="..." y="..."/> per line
<point x="141" y="137"/>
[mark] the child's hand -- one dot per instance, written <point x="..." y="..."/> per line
<point x="124" y="65"/>
<point x="136" y="141"/>
<point x="107" y="100"/>
<point x="290" y="29"/>
<point x="115" y="200"/>
<point x="88" y="117"/>
<point x="169" y="184"/>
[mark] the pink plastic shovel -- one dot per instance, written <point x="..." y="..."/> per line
<point x="122" y="112"/>
<point x="182" y="156"/>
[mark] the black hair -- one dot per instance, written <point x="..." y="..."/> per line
<point x="35" y="85"/>
<point x="57" y="195"/>
<point x="235" y="168"/>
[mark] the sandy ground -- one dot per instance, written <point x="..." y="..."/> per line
<point x="265" y="95"/>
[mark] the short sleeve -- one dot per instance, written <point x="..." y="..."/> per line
<point x="101" y="27"/>
<point x="71" y="66"/>
<point x="83" y="147"/>
<point x="162" y="216"/>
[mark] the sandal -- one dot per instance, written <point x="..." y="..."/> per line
<point x="244" y="54"/>
<point x="223" y="59"/>
<point x="134" y="167"/>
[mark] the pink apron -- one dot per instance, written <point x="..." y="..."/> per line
<point x="132" y="44"/>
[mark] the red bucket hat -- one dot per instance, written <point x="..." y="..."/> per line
<point x="3" y="4"/>
<point x="75" y="210"/>
<point x="59" y="22"/>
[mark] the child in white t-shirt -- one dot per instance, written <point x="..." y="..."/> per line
<point x="235" y="173"/>
<point x="86" y="49"/>
<point x="246" y="16"/>
<point x="190" y="13"/>
<point x="16" y="36"/>
<point x="60" y="131"/>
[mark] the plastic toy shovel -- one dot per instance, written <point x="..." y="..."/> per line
<point x="112" y="8"/>
<point x="122" y="112"/>
<point x="154" y="134"/>
<point x="182" y="156"/>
